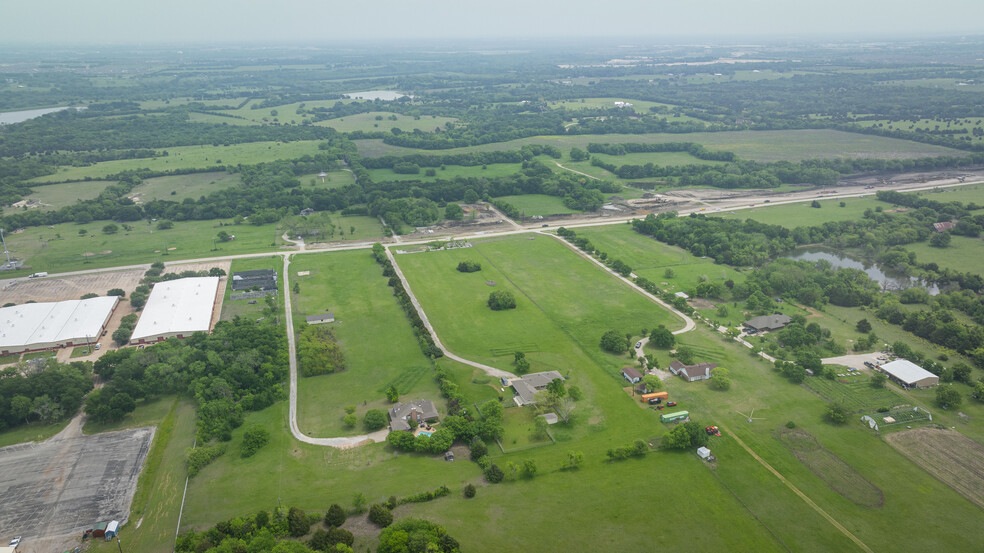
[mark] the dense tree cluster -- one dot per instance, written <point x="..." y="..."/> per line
<point x="318" y="351"/>
<point x="46" y="391"/>
<point x="420" y="331"/>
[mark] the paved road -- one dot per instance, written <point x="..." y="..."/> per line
<point x="491" y="371"/>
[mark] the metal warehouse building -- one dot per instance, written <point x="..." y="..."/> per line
<point x="909" y="374"/>
<point x="177" y="308"/>
<point x="40" y="326"/>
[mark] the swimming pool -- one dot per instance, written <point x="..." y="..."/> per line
<point x="428" y="434"/>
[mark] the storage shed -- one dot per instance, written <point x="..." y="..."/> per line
<point x="703" y="453"/>
<point x="631" y="374"/>
<point x="677" y="416"/>
<point x="112" y="529"/>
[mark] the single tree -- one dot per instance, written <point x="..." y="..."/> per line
<point x="662" y="338"/>
<point x="863" y="326"/>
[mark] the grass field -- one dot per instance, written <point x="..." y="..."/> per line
<point x="190" y="157"/>
<point x="832" y="469"/>
<point x="335" y="179"/>
<point x="755" y="145"/>
<point x="61" y="248"/>
<point x="368" y="122"/>
<point x="802" y="215"/>
<point x="537" y="204"/>
<point x="375" y="337"/>
<point x="963" y="254"/>
<point x="33" y="432"/>
<point x="656" y="158"/>
<point x="178" y="187"/>
<point x="55" y="196"/>
<point x="453" y="171"/>
<point x="855" y="394"/>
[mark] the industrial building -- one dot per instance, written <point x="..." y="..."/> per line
<point x="177" y="308"/>
<point x="41" y="326"/>
<point x="261" y="279"/>
<point x="908" y="374"/>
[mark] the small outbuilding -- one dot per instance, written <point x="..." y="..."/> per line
<point x="682" y="295"/>
<point x="767" y="323"/>
<point x="703" y="453"/>
<point x="320" y="319"/>
<point x="99" y="529"/>
<point x="112" y="529"/>
<point x="909" y="375"/>
<point x="631" y="374"/>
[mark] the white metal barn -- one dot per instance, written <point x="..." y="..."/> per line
<point x="177" y="308"/>
<point x="909" y="374"/>
<point x="49" y="325"/>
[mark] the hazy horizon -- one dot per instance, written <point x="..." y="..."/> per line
<point x="58" y="22"/>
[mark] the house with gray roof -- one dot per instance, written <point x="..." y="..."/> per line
<point x="766" y="323"/>
<point x="632" y="374"/>
<point x="527" y="386"/>
<point x="406" y="416"/>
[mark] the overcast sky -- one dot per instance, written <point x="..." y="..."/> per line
<point x="184" y="21"/>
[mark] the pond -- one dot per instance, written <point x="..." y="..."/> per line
<point x="888" y="279"/>
<point x="11" y="117"/>
<point x="376" y="95"/>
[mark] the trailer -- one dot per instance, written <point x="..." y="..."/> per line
<point x="677" y="416"/>
<point x="654" y="395"/>
<point x="37" y="275"/>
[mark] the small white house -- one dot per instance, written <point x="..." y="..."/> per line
<point x="703" y="453"/>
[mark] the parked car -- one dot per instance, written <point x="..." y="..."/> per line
<point x="639" y="344"/>
<point x="14" y="542"/>
<point x="671" y="404"/>
<point x="869" y="364"/>
<point x="655" y="400"/>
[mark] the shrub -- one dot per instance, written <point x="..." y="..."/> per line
<point x="340" y="535"/>
<point x="375" y="419"/>
<point x="380" y="515"/>
<point x="335" y="516"/>
<point x="254" y="438"/>
<point x="199" y="457"/>
<point x="350" y="409"/>
<point x="350" y="420"/>
<point x="790" y="425"/>
<point x="469" y="267"/>
<point x="500" y="300"/>
<point x="835" y="414"/>
<point x="494" y="474"/>
<point x="116" y="292"/>
<point x="614" y="341"/>
<point x="298" y="523"/>
<point x="470" y="491"/>
<point x="478" y="450"/>
<point x="484" y="462"/>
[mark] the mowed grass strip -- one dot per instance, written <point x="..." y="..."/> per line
<point x="755" y="145"/>
<point x="953" y="458"/>
<point x="375" y="337"/>
<point x="831" y="469"/>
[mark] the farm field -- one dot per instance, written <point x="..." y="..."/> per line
<point x="802" y="215"/>
<point x="831" y="469"/>
<point x="452" y="171"/>
<point x="755" y="145"/>
<point x="855" y="393"/>
<point x="641" y="106"/>
<point x="178" y="187"/>
<point x="966" y="194"/>
<point x="55" y="196"/>
<point x="368" y="122"/>
<point x="656" y="158"/>
<point x="932" y="125"/>
<point x="191" y="157"/>
<point x="62" y="249"/>
<point x="378" y="344"/>
<point x="950" y="456"/>
<point x="537" y="204"/>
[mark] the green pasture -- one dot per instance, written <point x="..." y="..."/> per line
<point x="229" y="103"/>
<point x="930" y="125"/>
<point x="450" y="172"/>
<point x="966" y="194"/>
<point x="374" y="334"/>
<point x="538" y="204"/>
<point x="663" y="159"/>
<point x="191" y="157"/>
<point x="56" y="196"/>
<point x="369" y="122"/>
<point x="650" y="258"/>
<point x="178" y="187"/>
<point x="335" y="179"/>
<point x="963" y="254"/>
<point x="61" y="248"/>
<point x="641" y="106"/>
<point x="31" y="432"/>
<point x="941" y="82"/>
<point x="756" y="145"/>
<point x="802" y="214"/>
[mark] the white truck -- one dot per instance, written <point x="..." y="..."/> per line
<point x="37" y="275"/>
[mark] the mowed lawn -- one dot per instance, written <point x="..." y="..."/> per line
<point x="373" y="332"/>
<point x="963" y="254"/>
<point x="755" y="145"/>
<point x="61" y="248"/>
<point x="537" y="204"/>
<point x="55" y="196"/>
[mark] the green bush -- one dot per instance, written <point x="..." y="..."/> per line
<point x="254" y="438"/>
<point x="380" y="515"/>
<point x="501" y="299"/>
<point x="470" y="491"/>
<point x="199" y="457"/>
<point x="335" y="516"/>
<point x="494" y="474"/>
<point x="375" y="419"/>
<point x="298" y="523"/>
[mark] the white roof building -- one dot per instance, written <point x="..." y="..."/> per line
<point x="38" y="326"/>
<point x="177" y="308"/>
<point x="909" y="374"/>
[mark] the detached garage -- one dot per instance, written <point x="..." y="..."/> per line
<point x="909" y="375"/>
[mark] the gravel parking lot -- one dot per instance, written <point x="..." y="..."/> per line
<point x="54" y="490"/>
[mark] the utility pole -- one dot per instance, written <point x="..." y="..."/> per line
<point x="118" y="543"/>
<point x="5" y="252"/>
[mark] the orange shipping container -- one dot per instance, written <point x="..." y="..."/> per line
<point x="647" y="397"/>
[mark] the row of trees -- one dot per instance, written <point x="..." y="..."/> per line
<point x="420" y="331"/>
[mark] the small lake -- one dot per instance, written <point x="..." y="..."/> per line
<point x="376" y="95"/>
<point x="877" y="273"/>
<point x="11" y="117"/>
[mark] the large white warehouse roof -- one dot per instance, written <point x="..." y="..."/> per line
<point x="182" y="306"/>
<point x="52" y="324"/>
<point x="908" y="372"/>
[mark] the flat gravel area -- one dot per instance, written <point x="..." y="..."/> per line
<point x="62" y="486"/>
